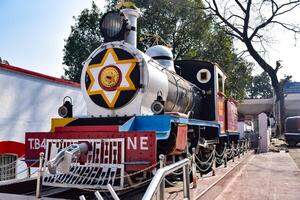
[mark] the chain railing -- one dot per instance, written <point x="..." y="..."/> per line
<point x="218" y="158"/>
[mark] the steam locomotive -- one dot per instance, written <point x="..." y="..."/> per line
<point x="140" y="105"/>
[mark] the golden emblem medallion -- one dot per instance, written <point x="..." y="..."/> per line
<point x="110" y="77"/>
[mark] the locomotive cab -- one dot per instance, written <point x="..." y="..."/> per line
<point x="210" y="78"/>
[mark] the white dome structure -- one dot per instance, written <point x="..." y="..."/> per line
<point x="163" y="55"/>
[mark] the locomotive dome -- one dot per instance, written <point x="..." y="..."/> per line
<point x="163" y="55"/>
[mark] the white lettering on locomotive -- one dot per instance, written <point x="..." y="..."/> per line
<point x="36" y="143"/>
<point x="132" y="143"/>
<point x="144" y="143"/>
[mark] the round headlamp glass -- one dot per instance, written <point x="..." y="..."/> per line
<point x="113" y="26"/>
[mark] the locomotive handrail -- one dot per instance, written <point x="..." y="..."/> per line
<point x="160" y="175"/>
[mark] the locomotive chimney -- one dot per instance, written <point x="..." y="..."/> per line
<point x="132" y="13"/>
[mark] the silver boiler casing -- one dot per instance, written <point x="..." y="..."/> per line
<point x="179" y="95"/>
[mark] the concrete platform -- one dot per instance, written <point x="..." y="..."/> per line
<point x="208" y="186"/>
<point x="269" y="176"/>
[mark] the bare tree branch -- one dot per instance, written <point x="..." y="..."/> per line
<point x="247" y="17"/>
<point x="234" y="35"/>
<point x="233" y="15"/>
<point x="240" y="5"/>
<point x="275" y="13"/>
<point x="241" y="54"/>
<point x="289" y="27"/>
<point x="288" y="10"/>
<point x="217" y="13"/>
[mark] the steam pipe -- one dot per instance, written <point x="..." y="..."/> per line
<point x="132" y="16"/>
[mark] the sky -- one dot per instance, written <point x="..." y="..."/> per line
<point x="32" y="32"/>
<point x="32" y="35"/>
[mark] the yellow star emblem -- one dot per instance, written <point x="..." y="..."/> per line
<point x="110" y="77"/>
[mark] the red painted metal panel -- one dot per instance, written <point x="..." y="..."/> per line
<point x="144" y="149"/>
<point x="87" y="128"/>
<point x="221" y="111"/>
<point x="139" y="146"/>
<point x="231" y="116"/>
<point x="181" y="140"/>
<point x="34" y="145"/>
<point x="11" y="147"/>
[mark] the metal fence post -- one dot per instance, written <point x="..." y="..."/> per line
<point x="243" y="147"/>
<point x="112" y="192"/>
<point x="194" y="170"/>
<point x="214" y="161"/>
<point x="28" y="172"/>
<point x="232" y="151"/>
<point x="249" y="144"/>
<point x="82" y="197"/>
<point x="39" y="177"/>
<point x="161" y="192"/>
<point x="225" y="155"/>
<point x="98" y="195"/>
<point x="238" y="148"/>
<point x="186" y="182"/>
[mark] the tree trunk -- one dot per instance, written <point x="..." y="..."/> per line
<point x="278" y="89"/>
<point x="280" y="101"/>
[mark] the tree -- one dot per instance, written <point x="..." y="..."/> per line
<point x="251" y="21"/>
<point x="84" y="39"/>
<point x="192" y="35"/>
<point x="179" y="24"/>
<point x="2" y="61"/>
<point x="261" y="87"/>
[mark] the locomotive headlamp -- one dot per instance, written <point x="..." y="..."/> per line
<point x="157" y="107"/>
<point x="66" y="110"/>
<point x="113" y="26"/>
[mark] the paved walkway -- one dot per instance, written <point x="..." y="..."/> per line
<point x="207" y="181"/>
<point x="269" y="176"/>
<point x="295" y="154"/>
